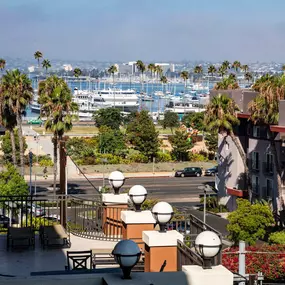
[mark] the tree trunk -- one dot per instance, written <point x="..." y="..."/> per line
<point x="55" y="158"/>
<point x="244" y="160"/>
<point x="280" y="202"/>
<point x="21" y="142"/>
<point x="13" y="144"/>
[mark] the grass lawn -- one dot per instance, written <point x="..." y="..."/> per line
<point x="82" y="130"/>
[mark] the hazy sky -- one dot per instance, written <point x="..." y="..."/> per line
<point x="247" y="30"/>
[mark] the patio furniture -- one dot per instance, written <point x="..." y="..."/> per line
<point x="54" y="235"/>
<point x="20" y="237"/>
<point x="102" y="256"/>
<point x="79" y="260"/>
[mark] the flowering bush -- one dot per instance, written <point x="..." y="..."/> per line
<point x="271" y="263"/>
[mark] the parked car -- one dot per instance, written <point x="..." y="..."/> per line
<point x="4" y="221"/>
<point x="211" y="171"/>
<point x="189" y="171"/>
<point x="35" y="210"/>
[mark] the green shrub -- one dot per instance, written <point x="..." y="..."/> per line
<point x="197" y="157"/>
<point x="163" y="157"/>
<point x="148" y="204"/>
<point x="277" y="238"/>
<point x="137" y="157"/>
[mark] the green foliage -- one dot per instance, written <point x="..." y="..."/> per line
<point x="277" y="238"/>
<point x="110" y="141"/>
<point x="171" y="120"/>
<point x="137" y="157"/>
<point x="211" y="140"/>
<point x="81" y="147"/>
<point x="36" y="222"/>
<point x="12" y="183"/>
<point x="196" y="157"/>
<point x="212" y="204"/>
<point x="163" y="157"/>
<point x="148" y="204"/>
<point x="142" y="134"/>
<point x="194" y="120"/>
<point x="249" y="221"/>
<point x="6" y="146"/>
<point x="180" y="144"/>
<point x="110" y="117"/>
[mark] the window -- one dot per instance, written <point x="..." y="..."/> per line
<point x="255" y="160"/>
<point x="269" y="162"/>
<point x="255" y="184"/>
<point x="256" y="131"/>
<point x="269" y="188"/>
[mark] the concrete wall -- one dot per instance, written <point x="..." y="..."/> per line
<point x="282" y="112"/>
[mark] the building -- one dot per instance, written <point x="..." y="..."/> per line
<point x="254" y="139"/>
<point x="67" y="67"/>
<point x="125" y="69"/>
<point x="166" y="66"/>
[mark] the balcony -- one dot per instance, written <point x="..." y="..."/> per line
<point x="253" y="165"/>
<point x="267" y="169"/>
<point x="237" y="192"/>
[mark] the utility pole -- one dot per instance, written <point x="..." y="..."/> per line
<point x="62" y="181"/>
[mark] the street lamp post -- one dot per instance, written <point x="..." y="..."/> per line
<point x="206" y="189"/>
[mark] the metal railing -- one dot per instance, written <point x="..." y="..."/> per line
<point x="267" y="168"/>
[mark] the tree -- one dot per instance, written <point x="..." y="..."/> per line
<point x="264" y="110"/>
<point x="249" y="222"/>
<point x="220" y="117"/>
<point x="112" y="70"/>
<point x="236" y="65"/>
<point x="194" y="120"/>
<point x="12" y="183"/>
<point x="151" y="68"/>
<point x="180" y="144"/>
<point x="141" y="67"/>
<point x="212" y="69"/>
<point x="248" y="76"/>
<point x="59" y="110"/>
<point x="222" y="71"/>
<point x="211" y="141"/>
<point x="46" y="64"/>
<point x="163" y="80"/>
<point x="185" y="76"/>
<point x="226" y="65"/>
<point x="198" y="70"/>
<point x="142" y="134"/>
<point x="244" y="68"/>
<point x="7" y="149"/>
<point x="171" y="120"/>
<point x="110" y="140"/>
<point x="283" y="68"/>
<point x="110" y="117"/>
<point x="77" y="72"/>
<point x="228" y="83"/>
<point x="38" y="55"/>
<point x="2" y="63"/>
<point x="18" y="93"/>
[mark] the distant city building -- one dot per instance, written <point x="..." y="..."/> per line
<point x="166" y="66"/>
<point x="67" y="67"/>
<point x="31" y="68"/>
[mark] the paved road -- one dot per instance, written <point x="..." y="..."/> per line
<point x="170" y="189"/>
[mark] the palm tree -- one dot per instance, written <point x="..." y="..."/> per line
<point x="226" y="64"/>
<point x="222" y="71"/>
<point x="77" y="72"/>
<point x="163" y="80"/>
<point x="265" y="110"/>
<point x="198" y="70"/>
<point x="248" y="76"/>
<point x="185" y="76"/>
<point x="236" y="65"/>
<point x="112" y="70"/>
<point x="141" y="67"/>
<point x="212" y="69"/>
<point x="221" y="116"/>
<point x="244" y="68"/>
<point x="57" y="106"/>
<point x="18" y="91"/>
<point x="46" y="64"/>
<point x="38" y="55"/>
<point x="2" y="63"/>
<point x="151" y="68"/>
<point x="228" y="83"/>
<point x="283" y="68"/>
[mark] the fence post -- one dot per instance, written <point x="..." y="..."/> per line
<point x="241" y="263"/>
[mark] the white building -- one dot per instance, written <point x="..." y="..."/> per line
<point x="166" y="66"/>
<point x="67" y="67"/>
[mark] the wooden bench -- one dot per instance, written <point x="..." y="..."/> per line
<point x="20" y="237"/>
<point x="54" y="235"/>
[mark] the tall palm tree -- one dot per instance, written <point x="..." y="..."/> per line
<point x="46" y="64"/>
<point x="2" y="63"/>
<point x="244" y="68"/>
<point x="38" y="55"/>
<point x="228" y="83"/>
<point x="236" y="65"/>
<point x="151" y="68"/>
<point x="57" y="106"/>
<point x="222" y="71"/>
<point x="265" y="110"/>
<point x="211" y="70"/>
<point x="77" y="72"/>
<point x="141" y="67"/>
<point x="221" y="116"/>
<point x="112" y="70"/>
<point x="226" y="64"/>
<point x="163" y="80"/>
<point x="248" y="76"/>
<point x="18" y="91"/>
<point x="198" y="70"/>
<point x="185" y="76"/>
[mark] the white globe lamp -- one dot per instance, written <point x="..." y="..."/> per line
<point x="137" y="195"/>
<point x="116" y="180"/>
<point x="162" y="213"/>
<point x="208" y="244"/>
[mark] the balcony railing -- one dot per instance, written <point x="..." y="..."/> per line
<point x="267" y="168"/>
<point x="253" y="165"/>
